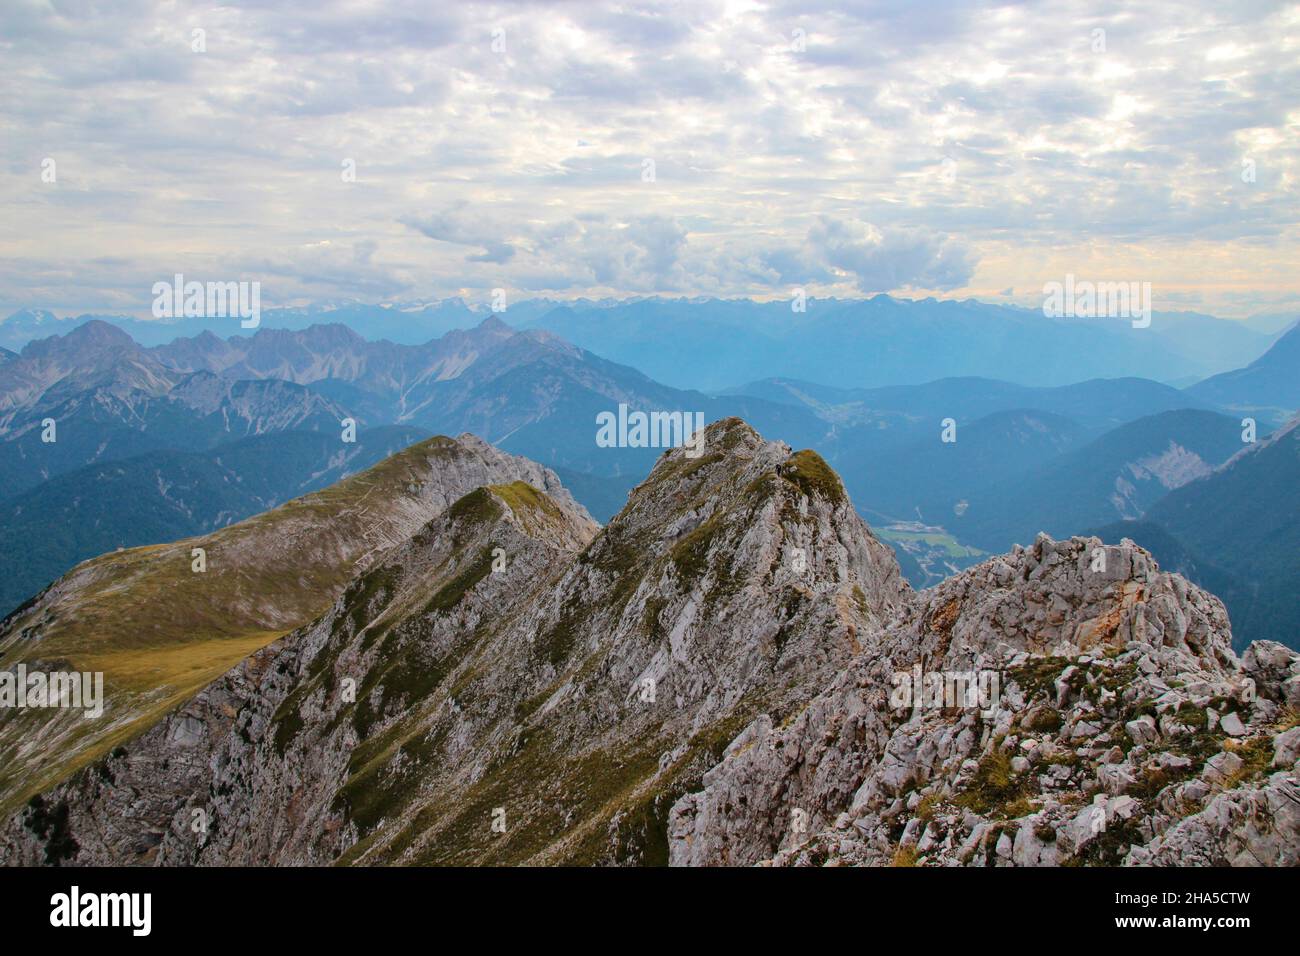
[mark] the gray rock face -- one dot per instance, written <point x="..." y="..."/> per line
<point x="250" y="769"/>
<point x="1251" y="826"/>
<point x="731" y="672"/>
<point x="1286" y="748"/>
<point x="1275" y="668"/>
<point x="1089" y="753"/>
<point x="270" y="574"/>
<point x="552" y="710"/>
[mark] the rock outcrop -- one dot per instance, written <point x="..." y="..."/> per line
<point x="1123" y="730"/>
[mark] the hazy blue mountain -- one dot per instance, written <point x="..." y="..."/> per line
<point x="22" y="326"/>
<point x="926" y="479"/>
<point x="712" y="343"/>
<point x="1267" y="389"/>
<point x="886" y="341"/>
<point x="110" y="399"/>
<point x="407" y="324"/>
<point x="1098" y="403"/>
<point x="1117" y="476"/>
<point x="1244" y="517"/>
<point x="1272" y="323"/>
<point x="1022" y="460"/>
<point x="541" y="400"/>
<point x="30" y="325"/>
<point x="530" y="392"/>
<point x="165" y="495"/>
<point x="1207" y="341"/>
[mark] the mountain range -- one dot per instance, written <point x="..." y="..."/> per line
<point x="1078" y="456"/>
<point x="528" y="391"/>
<point x="158" y="428"/>
<point x="691" y="343"/>
<point x="711" y="678"/>
<point x="1115" y="477"/>
<point x="94" y="395"/>
<point x="888" y="341"/>
<point x="1267" y="388"/>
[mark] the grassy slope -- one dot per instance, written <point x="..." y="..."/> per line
<point x="160" y="631"/>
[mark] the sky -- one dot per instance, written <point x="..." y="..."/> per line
<point x="411" y="151"/>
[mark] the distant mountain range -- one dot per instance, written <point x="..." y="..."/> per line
<point x="1119" y="475"/>
<point x="1065" y="459"/>
<point x="1243" y="519"/>
<point x="108" y="398"/>
<point x="1267" y="389"/>
<point x="170" y="419"/>
<point x="409" y="324"/>
<point x="1094" y="404"/>
<point x="887" y="341"/>
<point x="152" y="428"/>
<point x="529" y="392"/>
<point x="711" y="344"/>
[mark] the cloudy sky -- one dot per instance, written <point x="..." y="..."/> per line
<point x="697" y="148"/>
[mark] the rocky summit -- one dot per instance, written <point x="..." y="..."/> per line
<point x="160" y="626"/>
<point x="731" y="672"/>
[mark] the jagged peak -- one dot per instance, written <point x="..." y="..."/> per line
<point x="318" y="335"/>
<point x="95" y="333"/>
<point x="733" y="431"/>
<point x="733" y="456"/>
<point x="740" y="524"/>
<point x="1079" y="596"/>
<point x="493" y="323"/>
<point x="729" y="439"/>
<point x="1101" y="677"/>
<point x="469" y="439"/>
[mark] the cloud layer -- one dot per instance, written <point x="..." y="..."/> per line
<point x="399" y="150"/>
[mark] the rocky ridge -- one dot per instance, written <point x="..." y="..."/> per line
<point x="1125" y="732"/>
<point x="159" y="631"/>
<point x="710" y="679"/>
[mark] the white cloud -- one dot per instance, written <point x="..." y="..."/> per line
<point x="964" y="150"/>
